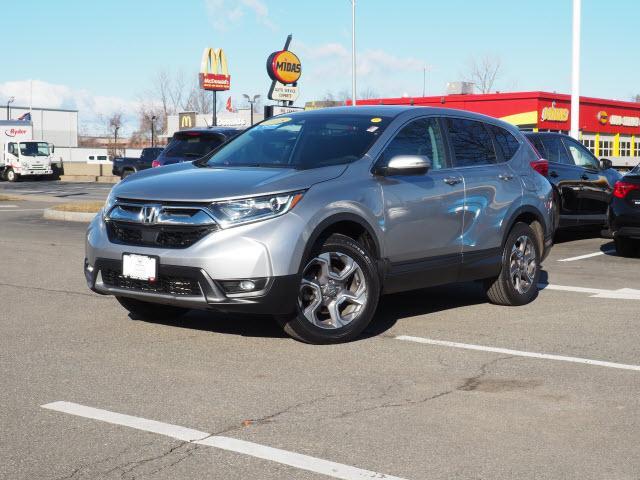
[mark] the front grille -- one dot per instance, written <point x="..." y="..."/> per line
<point x="172" y="285"/>
<point x="156" y="235"/>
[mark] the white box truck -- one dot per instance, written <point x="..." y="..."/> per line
<point x="20" y="155"/>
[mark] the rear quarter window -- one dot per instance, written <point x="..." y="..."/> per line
<point x="505" y="141"/>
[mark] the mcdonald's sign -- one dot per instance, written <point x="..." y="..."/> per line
<point x="214" y="71"/>
<point x="186" y="120"/>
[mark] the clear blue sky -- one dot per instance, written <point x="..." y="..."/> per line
<point x="101" y="55"/>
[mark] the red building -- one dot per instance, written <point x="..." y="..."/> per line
<point x="609" y="128"/>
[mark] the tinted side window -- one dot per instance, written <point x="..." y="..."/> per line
<point x="505" y="141"/>
<point x="537" y="143"/>
<point x="581" y="156"/>
<point x="555" y="150"/>
<point x="420" y="137"/>
<point x="471" y="143"/>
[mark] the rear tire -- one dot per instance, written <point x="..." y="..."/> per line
<point x="627" y="247"/>
<point x="151" y="311"/>
<point x="126" y="173"/>
<point x="12" y="176"/>
<point x="517" y="283"/>
<point x="338" y="293"/>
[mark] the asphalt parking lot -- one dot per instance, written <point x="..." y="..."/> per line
<point x="443" y="385"/>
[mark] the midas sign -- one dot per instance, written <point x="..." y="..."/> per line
<point x="284" y="67"/>
<point x="214" y="71"/>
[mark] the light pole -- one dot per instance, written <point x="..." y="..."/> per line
<point x="153" y="123"/>
<point x="425" y="71"/>
<point x="251" y="103"/>
<point x="575" y="72"/>
<point x="353" y="52"/>
<point x="9" y="102"/>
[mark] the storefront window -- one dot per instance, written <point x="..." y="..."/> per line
<point x="625" y="148"/>
<point x="590" y="143"/>
<point x="606" y="148"/>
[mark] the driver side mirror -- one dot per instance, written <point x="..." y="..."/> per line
<point x="606" y="164"/>
<point x="404" y="165"/>
<point x="52" y="147"/>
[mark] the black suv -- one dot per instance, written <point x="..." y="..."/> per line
<point x="582" y="184"/>
<point x="189" y="145"/>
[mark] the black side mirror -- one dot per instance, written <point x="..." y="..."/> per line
<point x="606" y="164"/>
<point x="404" y="165"/>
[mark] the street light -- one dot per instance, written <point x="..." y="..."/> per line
<point x="9" y="102"/>
<point x="153" y="122"/>
<point x="575" y="72"/>
<point x="251" y="103"/>
<point x="353" y="52"/>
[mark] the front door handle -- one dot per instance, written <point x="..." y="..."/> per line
<point x="452" y="180"/>
<point x="505" y="177"/>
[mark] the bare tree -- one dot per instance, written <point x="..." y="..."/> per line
<point x="114" y="124"/>
<point x="636" y="98"/>
<point x="368" y="93"/>
<point x="483" y="72"/>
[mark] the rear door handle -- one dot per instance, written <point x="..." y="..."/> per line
<point x="584" y="176"/>
<point x="505" y="177"/>
<point x="553" y="174"/>
<point x="452" y="180"/>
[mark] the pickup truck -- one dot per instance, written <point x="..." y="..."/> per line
<point x="125" y="166"/>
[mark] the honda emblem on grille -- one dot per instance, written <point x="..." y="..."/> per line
<point x="150" y="213"/>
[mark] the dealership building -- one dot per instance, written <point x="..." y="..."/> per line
<point x="609" y="128"/>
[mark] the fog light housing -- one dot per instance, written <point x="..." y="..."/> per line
<point x="244" y="285"/>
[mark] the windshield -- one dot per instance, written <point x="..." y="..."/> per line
<point x="192" y="145"/>
<point x="34" y="149"/>
<point x="303" y="141"/>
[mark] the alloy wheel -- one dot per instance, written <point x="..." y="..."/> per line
<point x="333" y="290"/>
<point x="522" y="264"/>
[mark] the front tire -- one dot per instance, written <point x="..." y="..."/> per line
<point x="151" y="311"/>
<point x="517" y="283"/>
<point x="626" y="247"/>
<point x="338" y="293"/>
<point x="11" y="175"/>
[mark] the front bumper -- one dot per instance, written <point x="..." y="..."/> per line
<point x="24" y="171"/>
<point x="192" y="287"/>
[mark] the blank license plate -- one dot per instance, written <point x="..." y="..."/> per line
<point x="139" y="267"/>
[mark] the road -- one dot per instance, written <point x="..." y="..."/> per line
<point x="427" y="393"/>
<point x="57" y="189"/>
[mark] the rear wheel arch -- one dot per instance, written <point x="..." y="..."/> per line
<point x="532" y="217"/>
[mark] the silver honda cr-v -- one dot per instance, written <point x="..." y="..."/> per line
<point x="312" y="216"/>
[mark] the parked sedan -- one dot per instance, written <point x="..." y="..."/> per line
<point x="582" y="184"/>
<point x="624" y="214"/>
<point x="189" y="145"/>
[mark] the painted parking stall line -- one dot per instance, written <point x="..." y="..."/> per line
<point x="517" y="353"/>
<point x="8" y="206"/>
<point x="620" y="294"/>
<point x="588" y="255"/>
<point x="285" y="457"/>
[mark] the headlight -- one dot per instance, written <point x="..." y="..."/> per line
<point x="108" y="205"/>
<point x="237" y="212"/>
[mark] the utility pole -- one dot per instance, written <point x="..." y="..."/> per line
<point x="153" y="124"/>
<point x="353" y="52"/>
<point x="575" y="72"/>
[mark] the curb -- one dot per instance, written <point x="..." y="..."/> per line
<point x="51" y="214"/>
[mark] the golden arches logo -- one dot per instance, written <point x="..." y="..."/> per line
<point x="185" y="122"/>
<point x="214" y="70"/>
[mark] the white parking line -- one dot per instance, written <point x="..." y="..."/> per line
<point x="518" y="353"/>
<point x="8" y="206"/>
<point x="22" y="210"/>
<point x="620" y="294"/>
<point x="285" y="457"/>
<point x="588" y="255"/>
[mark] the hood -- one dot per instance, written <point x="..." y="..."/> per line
<point x="185" y="182"/>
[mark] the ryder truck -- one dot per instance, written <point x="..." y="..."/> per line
<point x="20" y="155"/>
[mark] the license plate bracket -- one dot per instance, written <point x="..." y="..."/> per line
<point x="140" y="267"/>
